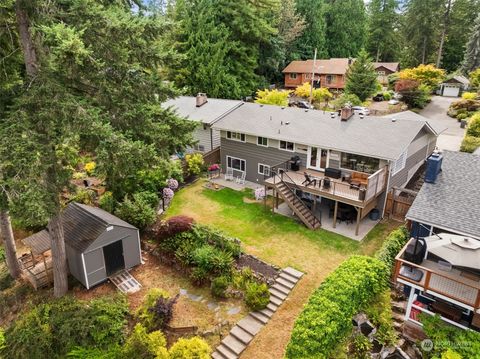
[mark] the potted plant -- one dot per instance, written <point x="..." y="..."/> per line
<point x="214" y="170"/>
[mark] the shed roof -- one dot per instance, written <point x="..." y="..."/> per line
<point x="453" y="201"/>
<point x="82" y="225"/>
<point x="460" y="79"/>
<point x="327" y="66"/>
<point x="39" y="242"/>
<point x="378" y="137"/>
<point x="208" y="113"/>
<point x="392" y="66"/>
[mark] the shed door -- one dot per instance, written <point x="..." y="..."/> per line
<point x="451" y="90"/>
<point x="113" y="254"/>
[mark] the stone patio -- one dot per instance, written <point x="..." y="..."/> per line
<point x="233" y="185"/>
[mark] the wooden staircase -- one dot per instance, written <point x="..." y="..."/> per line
<point x="297" y="205"/>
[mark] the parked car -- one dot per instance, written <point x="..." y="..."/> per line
<point x="361" y="110"/>
<point x="393" y="102"/>
<point x="378" y="97"/>
<point x="304" y="104"/>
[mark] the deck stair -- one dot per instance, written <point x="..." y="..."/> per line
<point x="125" y="282"/>
<point x="297" y="205"/>
<point x="245" y="330"/>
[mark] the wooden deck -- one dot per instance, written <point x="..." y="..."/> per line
<point x="451" y="284"/>
<point x="338" y="190"/>
<point x="38" y="270"/>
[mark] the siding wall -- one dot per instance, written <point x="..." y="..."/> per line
<point x="418" y="151"/>
<point x="75" y="264"/>
<point x="203" y="137"/>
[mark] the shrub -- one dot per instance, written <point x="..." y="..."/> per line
<point x="90" y="168"/>
<point x="257" y="296"/>
<point x="162" y="312"/>
<point x="470" y="144"/>
<point x="136" y="211"/>
<point x="272" y="97"/>
<point x="141" y="344"/>
<point x="213" y="260"/>
<point x="167" y="195"/>
<point x="6" y="280"/>
<point x="143" y="314"/>
<point x="107" y="202"/>
<point x="149" y="197"/>
<point x="53" y="329"/>
<point x="462" y="116"/>
<point x="193" y="348"/>
<point x="347" y="99"/>
<point x="326" y="318"/>
<point x="469" y="95"/>
<point x="174" y="225"/>
<point x="427" y="75"/>
<point x="387" y="96"/>
<point x="242" y="278"/>
<point x="172" y="183"/>
<point x="198" y="275"/>
<point x="2" y="339"/>
<point x="194" y="163"/>
<point x="474" y="126"/>
<point x="361" y="346"/>
<point x="392" y="245"/>
<point x="219" y="286"/>
<point x="84" y="195"/>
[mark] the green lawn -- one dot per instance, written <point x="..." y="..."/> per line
<point x="279" y="240"/>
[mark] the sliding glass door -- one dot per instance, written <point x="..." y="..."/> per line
<point x="317" y="158"/>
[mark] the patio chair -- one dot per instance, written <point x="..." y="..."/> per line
<point x="309" y="180"/>
<point x="241" y="179"/>
<point x="229" y="174"/>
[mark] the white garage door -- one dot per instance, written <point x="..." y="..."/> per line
<point x="451" y="91"/>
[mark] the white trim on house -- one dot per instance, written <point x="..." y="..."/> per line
<point x="286" y="145"/>
<point x="261" y="144"/>
<point x="318" y="165"/>
<point x="239" y="159"/>
<point x="85" y="270"/>
<point x="264" y="168"/>
<point x="293" y="75"/>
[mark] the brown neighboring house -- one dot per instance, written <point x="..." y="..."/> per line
<point x="329" y="73"/>
<point x="384" y="69"/>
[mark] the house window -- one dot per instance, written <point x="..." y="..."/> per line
<point x="262" y="141"/>
<point x="236" y="136"/>
<point x="293" y="76"/>
<point x="381" y="73"/>
<point x="330" y="79"/>
<point x="287" y="146"/>
<point x="359" y="163"/>
<point x="236" y="163"/>
<point x="308" y="76"/>
<point x="263" y="169"/>
<point x="399" y="164"/>
<point x="200" y="148"/>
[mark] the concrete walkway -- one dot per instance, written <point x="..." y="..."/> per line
<point x="436" y="112"/>
<point x="243" y="333"/>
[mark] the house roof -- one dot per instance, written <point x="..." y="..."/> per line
<point x="378" y="137"/>
<point x="82" y="225"/>
<point x="208" y="113"/>
<point x="328" y="66"/>
<point x="458" y="79"/>
<point x="451" y="203"/>
<point x="409" y="115"/>
<point x="392" y="66"/>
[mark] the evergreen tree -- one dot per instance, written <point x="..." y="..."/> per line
<point x="313" y="36"/>
<point x="92" y="81"/>
<point x="346" y="25"/>
<point x="361" y="78"/>
<point x="471" y="60"/>
<point x="243" y="30"/>
<point x="420" y="30"/>
<point x="462" y="17"/>
<point x="382" y="41"/>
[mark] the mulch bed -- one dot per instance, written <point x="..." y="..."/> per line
<point x="268" y="271"/>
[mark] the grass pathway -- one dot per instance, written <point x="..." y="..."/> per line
<point x="278" y="240"/>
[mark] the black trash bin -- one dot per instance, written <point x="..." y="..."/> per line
<point x="295" y="163"/>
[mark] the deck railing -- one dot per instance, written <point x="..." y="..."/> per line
<point x="376" y="183"/>
<point x="436" y="282"/>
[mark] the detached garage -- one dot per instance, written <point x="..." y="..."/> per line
<point x="454" y="86"/>
<point x="98" y="244"/>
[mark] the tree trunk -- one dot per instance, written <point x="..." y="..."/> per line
<point x="59" y="256"/>
<point x="378" y="54"/>
<point x="6" y="233"/>
<point x="424" y="49"/>
<point x="29" y="53"/>
<point x="444" y="32"/>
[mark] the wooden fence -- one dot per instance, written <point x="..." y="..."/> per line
<point x="399" y="201"/>
<point x="212" y="157"/>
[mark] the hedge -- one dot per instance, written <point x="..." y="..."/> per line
<point x="327" y="317"/>
<point x="392" y="245"/>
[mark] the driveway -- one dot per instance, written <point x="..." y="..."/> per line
<point x="436" y="112"/>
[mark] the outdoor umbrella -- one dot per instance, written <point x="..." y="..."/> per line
<point x="458" y="250"/>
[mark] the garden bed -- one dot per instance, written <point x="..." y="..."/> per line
<point x="264" y="271"/>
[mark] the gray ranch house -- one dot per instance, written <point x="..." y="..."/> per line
<point x="344" y="158"/>
<point x="439" y="267"/>
<point x="205" y="112"/>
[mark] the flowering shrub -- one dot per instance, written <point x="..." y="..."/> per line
<point x="90" y="167"/>
<point x="194" y="163"/>
<point x="214" y="167"/>
<point x="168" y="195"/>
<point x="172" y="183"/>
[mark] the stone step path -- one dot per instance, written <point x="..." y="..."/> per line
<point x="245" y="330"/>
